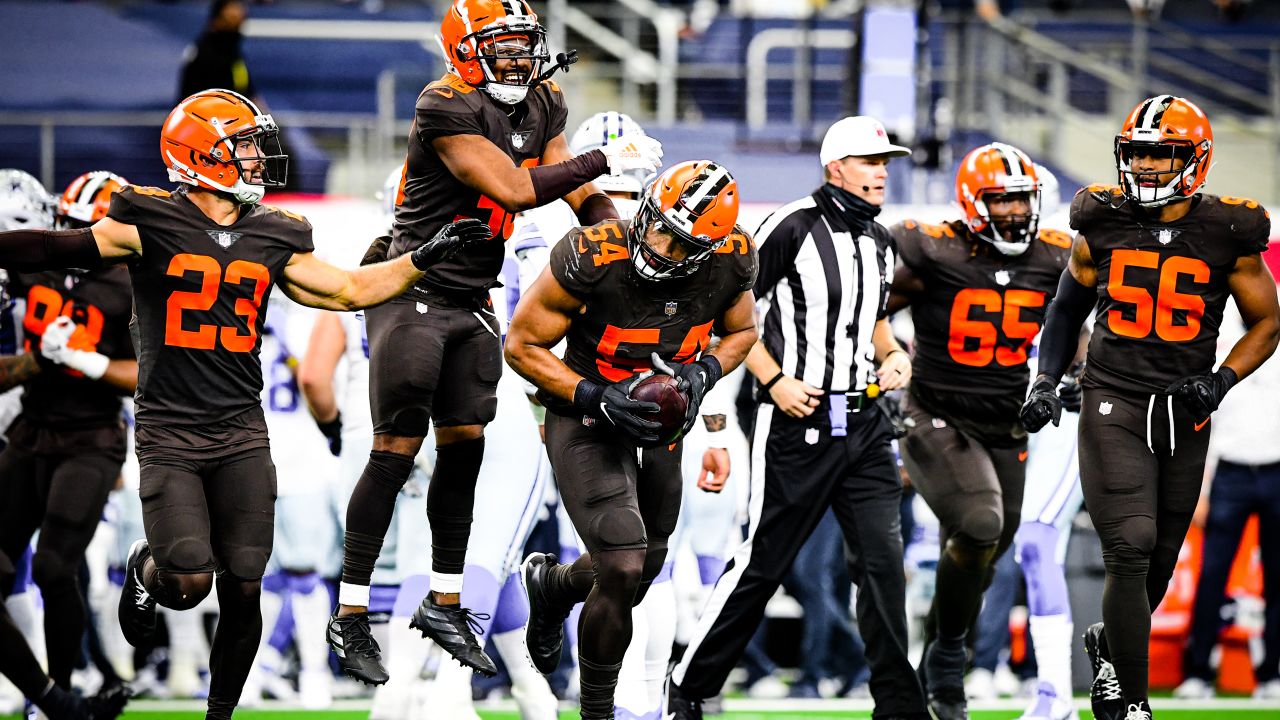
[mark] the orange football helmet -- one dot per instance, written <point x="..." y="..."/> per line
<point x="87" y="199"/>
<point x="999" y="169"/>
<point x="696" y="204"/>
<point x="476" y="34"/>
<point x="198" y="144"/>
<point x="1160" y="127"/>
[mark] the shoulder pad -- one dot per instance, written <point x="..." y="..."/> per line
<point x="1249" y="221"/>
<point x="447" y="87"/>
<point x="1056" y="238"/>
<point x="1092" y="200"/>
<point x="582" y="257"/>
<point x="129" y="204"/>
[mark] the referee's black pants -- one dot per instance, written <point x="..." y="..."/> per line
<point x="798" y="470"/>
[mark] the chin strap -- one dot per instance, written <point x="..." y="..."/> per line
<point x="563" y="60"/>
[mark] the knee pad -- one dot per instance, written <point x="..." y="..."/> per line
<point x="1127" y="551"/>
<point x="51" y="571"/>
<point x="618" y="528"/>
<point x="981" y="526"/>
<point x="185" y="591"/>
<point x="969" y="554"/>
<point x="412" y="422"/>
<point x="187" y="555"/>
<point x="248" y="562"/>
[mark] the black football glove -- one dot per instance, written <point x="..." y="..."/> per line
<point x="1201" y="394"/>
<point x="1070" y="392"/>
<point x="332" y="432"/>
<point x="891" y="404"/>
<point x="613" y="404"/>
<point x="696" y="379"/>
<point x="1042" y="405"/>
<point x="451" y="238"/>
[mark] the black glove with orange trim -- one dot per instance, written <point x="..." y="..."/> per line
<point x="1202" y="394"/>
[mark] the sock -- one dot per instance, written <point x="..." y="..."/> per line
<point x="598" y="683"/>
<point x="528" y="686"/>
<point x="369" y="511"/>
<point x="1052" y="635"/>
<point x="235" y="643"/>
<point x="1128" y="618"/>
<point x="17" y="662"/>
<point x="450" y="498"/>
<point x="959" y="592"/>
<point x="310" y="611"/>
<point x="572" y="582"/>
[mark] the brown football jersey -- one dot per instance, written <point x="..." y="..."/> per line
<point x="430" y="196"/>
<point x="980" y="310"/>
<point x="1161" y="287"/>
<point x="100" y="303"/>
<point x="627" y="317"/>
<point x="200" y="298"/>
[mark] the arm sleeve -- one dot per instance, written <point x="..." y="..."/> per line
<point x="36" y="250"/>
<point x="1067" y="313"/>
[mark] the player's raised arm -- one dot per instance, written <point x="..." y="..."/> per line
<point x="482" y="166"/>
<point x="105" y="242"/>
<point x="314" y="282"/>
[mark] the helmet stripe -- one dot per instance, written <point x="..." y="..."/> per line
<point x="715" y="179"/>
<point x="513" y="7"/>
<point x="1153" y="111"/>
<point x="1005" y="157"/>
<point x="90" y="188"/>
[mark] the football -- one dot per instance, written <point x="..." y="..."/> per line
<point x="663" y="390"/>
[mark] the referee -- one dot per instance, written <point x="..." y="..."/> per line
<point x="820" y="439"/>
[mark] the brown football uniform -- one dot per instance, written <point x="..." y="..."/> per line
<point x="101" y="304"/>
<point x="1161" y="288"/>
<point x="430" y="196"/>
<point x="201" y="291"/>
<point x="980" y="310"/>
<point x="614" y="501"/>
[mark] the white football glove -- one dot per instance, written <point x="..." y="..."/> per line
<point x="53" y="346"/>
<point x="633" y="153"/>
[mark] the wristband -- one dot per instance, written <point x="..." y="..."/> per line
<point x="586" y="397"/>
<point x="774" y="381"/>
<point x="714" y="370"/>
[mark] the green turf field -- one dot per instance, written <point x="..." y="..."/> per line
<point x="740" y="710"/>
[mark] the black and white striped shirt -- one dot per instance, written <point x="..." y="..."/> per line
<point x="821" y="290"/>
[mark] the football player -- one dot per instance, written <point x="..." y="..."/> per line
<point x="1156" y="260"/>
<point x="631" y="297"/>
<point x="202" y="258"/>
<point x="978" y="289"/>
<point x="67" y="445"/>
<point x="487" y="141"/>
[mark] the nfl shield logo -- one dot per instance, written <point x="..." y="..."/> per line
<point x="670" y="309"/>
<point x="1002" y="277"/>
<point x="1165" y="237"/>
<point x="224" y="238"/>
<point x="517" y="139"/>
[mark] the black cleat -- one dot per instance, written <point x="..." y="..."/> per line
<point x="544" y="635"/>
<point x="357" y="651"/>
<point x="1104" y="694"/>
<point x="109" y="703"/>
<point x="942" y="668"/>
<point x="681" y="706"/>
<point x="453" y="628"/>
<point x="137" y="610"/>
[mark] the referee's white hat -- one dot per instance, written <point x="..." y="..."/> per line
<point x="860" y="135"/>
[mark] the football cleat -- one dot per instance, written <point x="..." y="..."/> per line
<point x="1140" y="710"/>
<point x="1104" y="694"/>
<point x="544" y="634"/>
<point x="358" y="653"/>
<point x="681" y="706"/>
<point x="137" y="610"/>
<point x="943" y="672"/>
<point x="454" y="629"/>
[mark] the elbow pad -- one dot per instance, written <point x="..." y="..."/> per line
<point x="1070" y="308"/>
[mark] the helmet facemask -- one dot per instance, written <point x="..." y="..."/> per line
<point x="1011" y="234"/>
<point x="1143" y="187"/>
<point x="508" y="41"/>
<point x="270" y="166"/>
<point x="651" y="264"/>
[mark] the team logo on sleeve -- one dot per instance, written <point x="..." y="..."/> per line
<point x="224" y="238"/>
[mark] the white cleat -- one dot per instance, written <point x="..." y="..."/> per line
<point x="980" y="685"/>
<point x="1194" y="688"/>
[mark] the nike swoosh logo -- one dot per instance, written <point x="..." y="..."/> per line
<point x="1022" y="456"/>
<point x="1201" y="424"/>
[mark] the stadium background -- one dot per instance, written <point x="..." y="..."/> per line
<point x="750" y="83"/>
